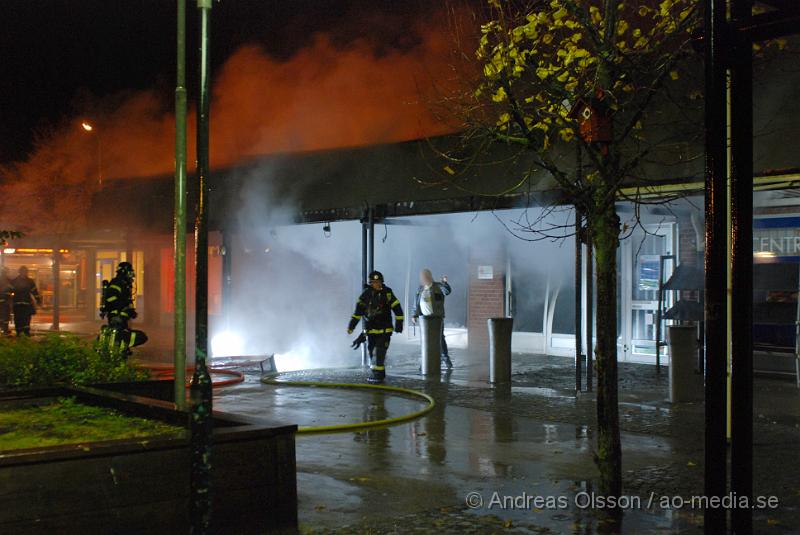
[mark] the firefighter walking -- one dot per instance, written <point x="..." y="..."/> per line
<point x="376" y="305"/>
<point x="26" y="297"/>
<point x="118" y="307"/>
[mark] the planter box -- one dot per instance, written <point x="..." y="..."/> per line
<point x="142" y="486"/>
<point x="162" y="389"/>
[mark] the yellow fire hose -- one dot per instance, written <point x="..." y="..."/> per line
<point x="357" y="426"/>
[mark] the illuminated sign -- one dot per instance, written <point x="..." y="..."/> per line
<point x="28" y="250"/>
<point x="776" y="238"/>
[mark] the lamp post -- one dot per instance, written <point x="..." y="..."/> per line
<point x="179" y="230"/>
<point x="200" y="422"/>
<point x="88" y="127"/>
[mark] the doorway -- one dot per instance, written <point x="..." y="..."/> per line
<point x="639" y="269"/>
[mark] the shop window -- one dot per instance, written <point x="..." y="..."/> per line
<point x="527" y="298"/>
<point x="564" y="314"/>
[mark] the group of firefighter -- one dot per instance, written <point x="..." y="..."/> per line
<point x="20" y="296"/>
<point x="375" y="307"/>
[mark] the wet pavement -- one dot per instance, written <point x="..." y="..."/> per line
<point x="510" y="460"/>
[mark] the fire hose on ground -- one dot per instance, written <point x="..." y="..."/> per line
<point x="168" y="372"/>
<point x="358" y="426"/>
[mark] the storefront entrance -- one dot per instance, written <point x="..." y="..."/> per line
<point x="638" y="289"/>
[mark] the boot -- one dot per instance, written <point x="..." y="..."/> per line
<point x="376" y="377"/>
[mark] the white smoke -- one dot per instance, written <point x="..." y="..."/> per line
<point x="295" y="286"/>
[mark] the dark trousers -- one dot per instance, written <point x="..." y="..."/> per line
<point x="377" y="346"/>
<point x="22" y="319"/>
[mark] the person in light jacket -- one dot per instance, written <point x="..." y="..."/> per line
<point x="430" y="303"/>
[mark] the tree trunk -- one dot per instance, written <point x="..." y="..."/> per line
<point x="608" y="456"/>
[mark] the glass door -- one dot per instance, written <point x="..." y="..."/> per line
<point x="641" y="253"/>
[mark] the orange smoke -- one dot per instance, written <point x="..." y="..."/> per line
<point x="323" y="97"/>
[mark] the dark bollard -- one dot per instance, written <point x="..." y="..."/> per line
<point x="431" y="336"/>
<point x="500" y="349"/>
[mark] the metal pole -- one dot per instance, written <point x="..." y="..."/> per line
<point x="578" y="303"/>
<point x="179" y="223"/>
<point x="589" y="311"/>
<point x="364" y="268"/>
<point x="227" y="277"/>
<point x="56" y="287"/>
<point x="660" y="309"/>
<point x="715" y="255"/>
<point x="201" y="423"/>
<point x="742" y="274"/>
<point x="371" y="222"/>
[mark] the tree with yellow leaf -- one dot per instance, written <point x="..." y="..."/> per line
<point x="556" y="73"/>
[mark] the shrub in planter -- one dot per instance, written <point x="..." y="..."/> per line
<point x="61" y="360"/>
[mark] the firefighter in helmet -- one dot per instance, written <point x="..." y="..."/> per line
<point x="376" y="305"/>
<point x="26" y="297"/>
<point x="118" y="307"/>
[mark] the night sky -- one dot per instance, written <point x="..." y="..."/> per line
<point x="58" y="56"/>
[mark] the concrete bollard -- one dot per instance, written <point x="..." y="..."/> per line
<point x="431" y="336"/>
<point x="684" y="383"/>
<point x="500" y="330"/>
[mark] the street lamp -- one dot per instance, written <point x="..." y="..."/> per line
<point x="89" y="128"/>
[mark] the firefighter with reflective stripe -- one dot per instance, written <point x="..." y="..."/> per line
<point x="117" y="305"/>
<point x="376" y="305"/>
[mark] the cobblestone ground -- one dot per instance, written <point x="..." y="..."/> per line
<point x="542" y="389"/>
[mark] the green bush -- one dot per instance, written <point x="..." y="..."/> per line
<point x="61" y="360"/>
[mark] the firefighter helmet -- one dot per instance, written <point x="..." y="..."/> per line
<point x="375" y="276"/>
<point x="125" y="269"/>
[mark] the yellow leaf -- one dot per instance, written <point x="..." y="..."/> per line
<point x="449" y="170"/>
<point x="500" y="95"/>
<point x="673" y="75"/>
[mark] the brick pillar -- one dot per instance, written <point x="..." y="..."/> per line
<point x="486" y="299"/>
